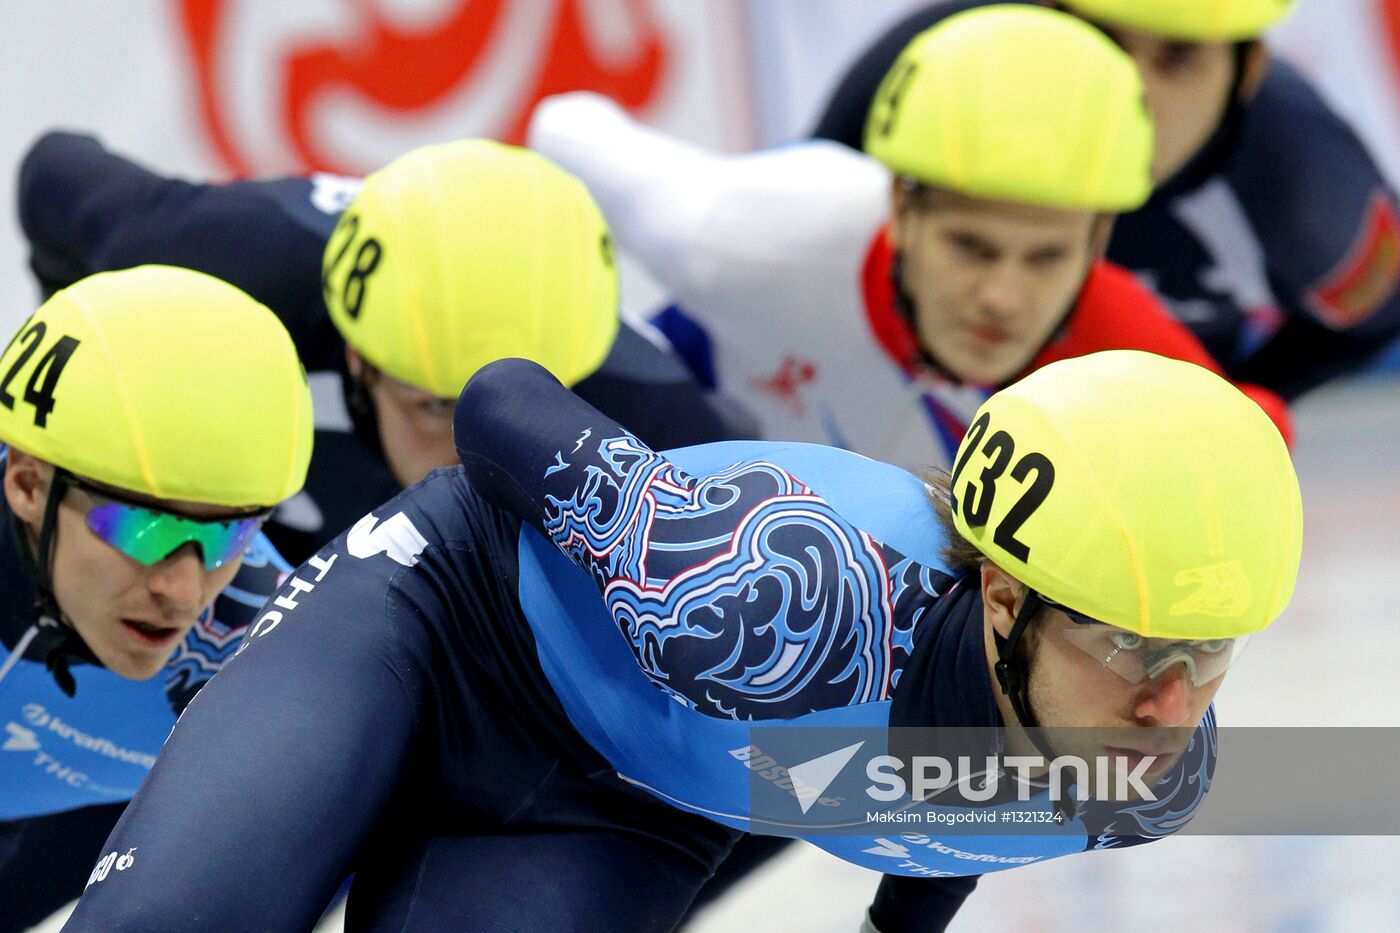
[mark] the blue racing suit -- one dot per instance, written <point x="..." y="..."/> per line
<point x="69" y="763"/>
<point x="517" y="695"/>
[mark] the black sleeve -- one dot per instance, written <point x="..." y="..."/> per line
<point x="650" y="391"/>
<point x="45" y="860"/>
<point x="1303" y="355"/>
<point x="85" y="210"/>
<point x="513" y="426"/>
<point x="71" y="191"/>
<point x="918" y="905"/>
<point x="1329" y="227"/>
<point x="843" y="120"/>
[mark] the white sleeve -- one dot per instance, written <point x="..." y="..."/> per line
<point x="703" y="223"/>
<point x="651" y="188"/>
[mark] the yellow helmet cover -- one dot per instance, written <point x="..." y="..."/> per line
<point x="161" y="381"/>
<point x="1145" y="492"/>
<point x="1188" y="20"/>
<point x="458" y="254"/>
<point x="1017" y="103"/>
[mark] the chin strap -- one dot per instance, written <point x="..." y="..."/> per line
<point x="60" y="642"/>
<point x="1012" y="673"/>
<point x="1013" y="676"/>
<point x="361" y="406"/>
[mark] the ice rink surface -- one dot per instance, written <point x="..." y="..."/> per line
<point x="1330" y="661"/>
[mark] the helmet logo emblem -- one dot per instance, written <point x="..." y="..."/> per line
<point x="1222" y="590"/>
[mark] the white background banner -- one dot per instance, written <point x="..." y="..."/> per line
<point x="224" y="88"/>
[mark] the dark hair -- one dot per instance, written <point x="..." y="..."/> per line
<point x="961" y="556"/>
<point x="925" y="197"/>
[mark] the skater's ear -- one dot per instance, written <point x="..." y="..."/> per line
<point x="27" y="483"/>
<point x="1002" y="595"/>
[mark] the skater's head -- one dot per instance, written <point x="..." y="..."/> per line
<point x="153" y="418"/>
<point x="1130" y="520"/>
<point x="1014" y="133"/>
<point x="450" y="257"/>
<point x="1199" y="60"/>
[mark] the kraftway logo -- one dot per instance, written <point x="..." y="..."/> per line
<point x="20" y="739"/>
<point x="887" y="848"/>
<point x="40" y="718"/>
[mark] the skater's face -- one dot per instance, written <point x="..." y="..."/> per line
<point x="131" y="615"/>
<point x="415" y="427"/>
<point x="1188" y="86"/>
<point x="1105" y="714"/>
<point x="990" y="280"/>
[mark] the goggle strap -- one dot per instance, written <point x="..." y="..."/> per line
<point x="45" y="603"/>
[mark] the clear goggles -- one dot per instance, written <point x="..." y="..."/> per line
<point x="148" y="535"/>
<point x="1136" y="658"/>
